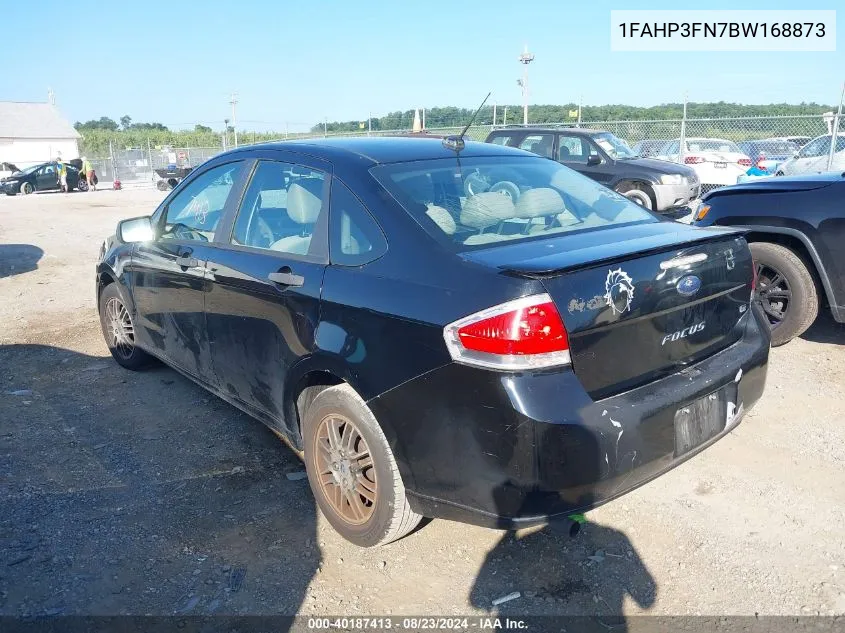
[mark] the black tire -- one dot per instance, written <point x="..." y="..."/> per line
<point x="391" y="516"/>
<point x="786" y="290"/>
<point x="26" y="188"/>
<point x="82" y="185"/>
<point x="124" y="350"/>
<point x="162" y="185"/>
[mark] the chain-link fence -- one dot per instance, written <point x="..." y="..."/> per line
<point x="718" y="149"/>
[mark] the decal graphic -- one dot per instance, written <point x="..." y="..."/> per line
<point x="619" y="291"/>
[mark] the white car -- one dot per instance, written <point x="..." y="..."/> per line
<point x="716" y="161"/>
<point x="813" y="157"/>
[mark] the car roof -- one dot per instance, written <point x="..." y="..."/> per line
<point x="382" y="149"/>
<point x="551" y="129"/>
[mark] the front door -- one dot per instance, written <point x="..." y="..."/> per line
<point x="266" y="274"/>
<point x="574" y="151"/>
<point x="47" y="178"/>
<point x="168" y="275"/>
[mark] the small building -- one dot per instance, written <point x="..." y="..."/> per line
<point x="32" y="133"/>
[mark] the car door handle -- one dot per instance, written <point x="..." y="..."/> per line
<point x="186" y="261"/>
<point x="286" y="277"/>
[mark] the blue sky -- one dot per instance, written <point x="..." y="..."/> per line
<point x="297" y="62"/>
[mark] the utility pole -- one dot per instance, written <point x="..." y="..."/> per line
<point x="505" y="117"/>
<point x="325" y="126"/>
<point x="834" y="132"/>
<point x="369" y="123"/>
<point x="234" y="103"/>
<point x="494" y="116"/>
<point x="423" y="119"/>
<point x="225" y="134"/>
<point x="525" y="59"/>
<point x="682" y="142"/>
<point x="580" y="103"/>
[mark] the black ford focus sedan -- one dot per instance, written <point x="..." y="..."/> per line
<point x="469" y="332"/>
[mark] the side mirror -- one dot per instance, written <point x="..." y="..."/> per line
<point x="136" y="230"/>
<point x="593" y="159"/>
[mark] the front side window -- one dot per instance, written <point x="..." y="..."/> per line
<point x="280" y="209"/>
<point x="573" y="149"/>
<point x="193" y="214"/>
<point x="482" y="201"/>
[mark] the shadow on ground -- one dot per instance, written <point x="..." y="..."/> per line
<point x="140" y="493"/>
<point x="16" y="259"/>
<point x="825" y="330"/>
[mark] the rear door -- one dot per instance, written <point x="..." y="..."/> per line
<point x="168" y="275"/>
<point x="265" y="278"/>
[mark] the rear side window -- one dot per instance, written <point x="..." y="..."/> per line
<point x="540" y="144"/>
<point x="356" y="238"/>
<point x="502" y="139"/>
<point x="482" y="201"/>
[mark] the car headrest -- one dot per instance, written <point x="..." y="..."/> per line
<point x="486" y="209"/>
<point x="304" y="201"/>
<point x="538" y="202"/>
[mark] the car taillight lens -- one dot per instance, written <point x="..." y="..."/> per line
<point x="527" y="333"/>
<point x="745" y="162"/>
<point x="693" y="160"/>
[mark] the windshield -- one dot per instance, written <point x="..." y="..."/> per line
<point x="712" y="145"/>
<point x="28" y="170"/>
<point x="479" y="202"/>
<point x="614" y="146"/>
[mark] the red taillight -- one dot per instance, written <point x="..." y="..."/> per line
<point x="524" y="334"/>
<point x="693" y="160"/>
<point x="745" y="162"/>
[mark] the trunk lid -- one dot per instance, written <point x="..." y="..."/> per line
<point x="640" y="302"/>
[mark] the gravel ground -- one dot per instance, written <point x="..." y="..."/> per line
<point x="140" y="493"/>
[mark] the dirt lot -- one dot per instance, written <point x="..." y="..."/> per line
<point x="141" y="493"/>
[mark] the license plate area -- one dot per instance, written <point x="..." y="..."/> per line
<point x="720" y="165"/>
<point x="703" y="419"/>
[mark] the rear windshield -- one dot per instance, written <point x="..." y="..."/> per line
<point x="712" y="145"/>
<point x="479" y="202"/>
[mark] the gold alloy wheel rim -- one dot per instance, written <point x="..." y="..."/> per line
<point x="345" y="469"/>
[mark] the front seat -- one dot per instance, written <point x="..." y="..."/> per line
<point x="304" y="203"/>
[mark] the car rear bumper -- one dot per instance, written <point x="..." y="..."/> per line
<point x="674" y="196"/>
<point x="506" y="450"/>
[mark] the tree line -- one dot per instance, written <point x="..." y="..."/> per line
<point x="452" y="116"/>
<point x="125" y="133"/>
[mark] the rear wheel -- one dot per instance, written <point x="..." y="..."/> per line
<point x="352" y="471"/>
<point x="26" y="188"/>
<point x="119" y="330"/>
<point x="786" y="290"/>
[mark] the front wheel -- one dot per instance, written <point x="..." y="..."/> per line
<point x="119" y="330"/>
<point x="26" y="188"/>
<point x="352" y="471"/>
<point x="640" y="197"/>
<point x="786" y="290"/>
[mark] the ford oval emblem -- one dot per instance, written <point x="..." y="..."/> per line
<point x="689" y="285"/>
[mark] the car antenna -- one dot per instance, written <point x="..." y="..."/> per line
<point x="456" y="143"/>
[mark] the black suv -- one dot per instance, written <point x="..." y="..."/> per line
<point x="796" y="230"/>
<point x="657" y="185"/>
